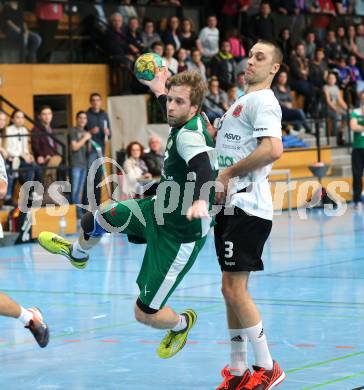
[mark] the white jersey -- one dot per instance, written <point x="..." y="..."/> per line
<point x="254" y="115"/>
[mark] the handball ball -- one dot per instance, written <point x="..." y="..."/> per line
<point x="144" y="68"/>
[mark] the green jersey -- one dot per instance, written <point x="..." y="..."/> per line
<point x="358" y="142"/>
<point x="176" y="189"/>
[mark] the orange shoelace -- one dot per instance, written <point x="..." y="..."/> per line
<point x="255" y="380"/>
<point x="228" y="376"/>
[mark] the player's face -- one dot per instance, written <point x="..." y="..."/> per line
<point x="261" y="64"/>
<point x="46" y="116"/>
<point x="82" y="121"/>
<point x="179" y="108"/>
<point x="2" y="121"/>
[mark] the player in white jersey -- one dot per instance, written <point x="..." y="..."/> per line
<point x="248" y="141"/>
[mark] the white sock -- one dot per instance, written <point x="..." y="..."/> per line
<point x="182" y="324"/>
<point x="76" y="251"/>
<point x="25" y="316"/>
<point x="260" y="346"/>
<point x="238" y="352"/>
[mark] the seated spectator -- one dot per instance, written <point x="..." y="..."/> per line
<point x="181" y="58"/>
<point x="240" y="83"/>
<point x="333" y="50"/>
<point x="116" y="42"/>
<point x="18" y="32"/>
<point x="134" y="38"/>
<point x="158" y="48"/>
<point x="343" y="73"/>
<point x="359" y="42"/>
<point x="355" y="73"/>
<point x="149" y="36"/>
<point x="95" y="17"/>
<point x="336" y="106"/>
<point x="325" y="9"/>
<point x="127" y="10"/>
<point x="350" y="46"/>
<point x="343" y="7"/>
<point x="188" y="36"/>
<point x="263" y="24"/>
<point x="223" y="65"/>
<point x="285" y="43"/>
<point x="216" y="102"/>
<point x="359" y="7"/>
<point x="318" y="71"/>
<point x="299" y="73"/>
<point x="295" y="116"/>
<point x="232" y="10"/>
<point x="18" y="149"/>
<point x="4" y="154"/>
<point x="79" y="144"/>
<point x="341" y="40"/>
<point x="171" y="35"/>
<point x="196" y="63"/>
<point x="236" y="43"/>
<point x="310" y="45"/>
<point x="135" y="168"/>
<point x="44" y="146"/>
<point x="154" y="159"/>
<point x="232" y="94"/>
<point x="208" y="39"/>
<point x="48" y="14"/>
<point x="171" y="62"/>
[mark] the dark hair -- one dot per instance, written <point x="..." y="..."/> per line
<point x="94" y="94"/>
<point x="278" y="55"/>
<point x="80" y="113"/>
<point x="14" y="113"/>
<point x="45" y="107"/>
<point x="129" y="147"/>
<point x="158" y="43"/>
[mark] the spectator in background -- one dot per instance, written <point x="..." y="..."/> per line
<point x="232" y="94"/>
<point x="98" y="125"/>
<point x="343" y="73"/>
<point x="216" y="102"/>
<point x="44" y="146"/>
<point x="232" y="10"/>
<point x="182" y="60"/>
<point x="359" y="7"/>
<point x="149" y="36"/>
<point x="240" y="83"/>
<point x="208" y="39"/>
<point x="357" y="154"/>
<point x="171" y="35"/>
<point x="4" y="154"/>
<point x="127" y="10"/>
<point x="359" y="41"/>
<point x="223" y="65"/>
<point x="343" y="7"/>
<point x="263" y="25"/>
<point x="196" y="63"/>
<point x="341" y="40"/>
<point x="299" y="72"/>
<point x="318" y="71"/>
<point x="188" y="36"/>
<point x="355" y="73"/>
<point x="285" y="43"/>
<point x="171" y="62"/>
<point x="336" y="106"/>
<point x="18" y="149"/>
<point x="158" y="48"/>
<point x="333" y="50"/>
<point x="48" y="15"/>
<point x="296" y="116"/>
<point x="18" y="32"/>
<point x="116" y="42"/>
<point x="154" y="159"/>
<point x="134" y="38"/>
<point x="135" y="168"/>
<point x="236" y="44"/>
<point x="320" y="23"/>
<point x="79" y="144"/>
<point x="349" y="43"/>
<point x="310" y="45"/>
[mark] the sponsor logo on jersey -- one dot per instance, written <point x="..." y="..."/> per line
<point x="232" y="137"/>
<point x="261" y="129"/>
<point x="237" y="111"/>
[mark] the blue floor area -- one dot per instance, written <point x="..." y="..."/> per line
<point x="311" y="296"/>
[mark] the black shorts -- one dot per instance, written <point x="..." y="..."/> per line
<point x="239" y="240"/>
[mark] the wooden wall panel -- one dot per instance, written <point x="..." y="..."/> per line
<point x="22" y="82"/>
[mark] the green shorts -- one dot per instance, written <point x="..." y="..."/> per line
<point x="165" y="261"/>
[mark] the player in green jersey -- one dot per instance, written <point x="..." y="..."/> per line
<point x="174" y="223"/>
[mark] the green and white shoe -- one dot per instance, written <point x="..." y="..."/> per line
<point x="57" y="245"/>
<point x="173" y="342"/>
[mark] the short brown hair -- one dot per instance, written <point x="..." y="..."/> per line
<point x="196" y="83"/>
<point x="277" y="54"/>
<point x="130" y="146"/>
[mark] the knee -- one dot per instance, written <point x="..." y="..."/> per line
<point x="232" y="292"/>
<point x="144" y="318"/>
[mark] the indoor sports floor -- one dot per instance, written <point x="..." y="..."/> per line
<point x="311" y="296"/>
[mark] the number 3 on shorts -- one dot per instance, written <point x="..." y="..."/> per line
<point x="229" y="245"/>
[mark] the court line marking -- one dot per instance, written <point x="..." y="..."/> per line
<point x="344" y="378"/>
